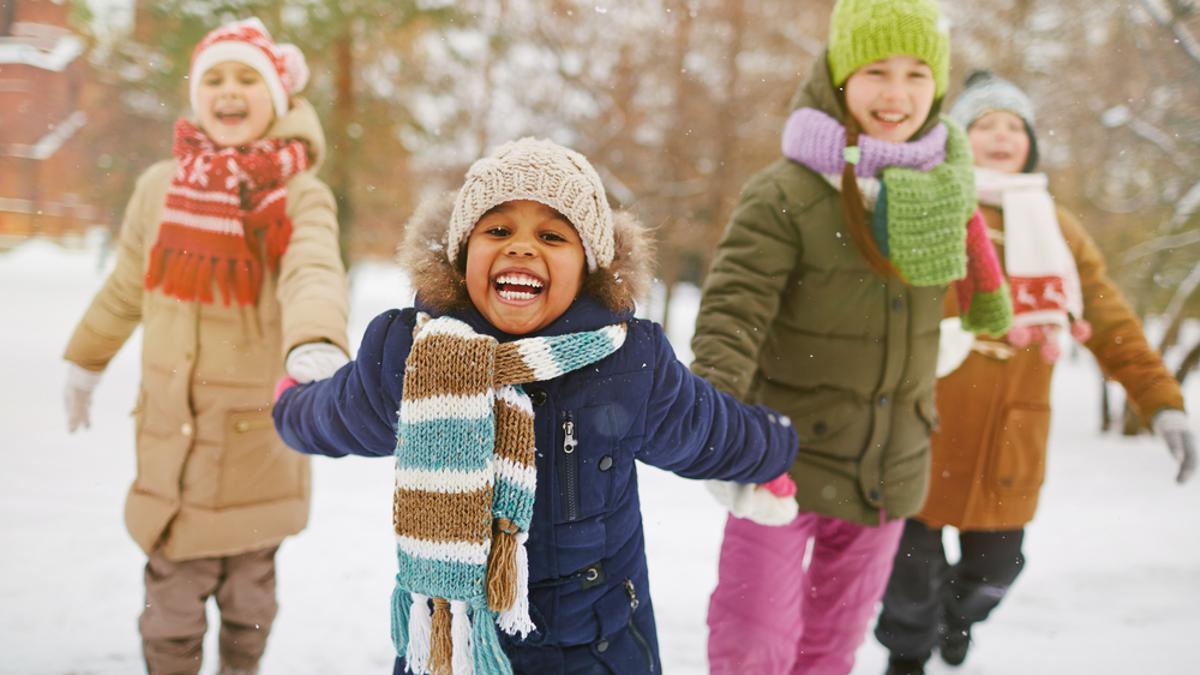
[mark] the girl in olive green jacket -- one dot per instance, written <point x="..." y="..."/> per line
<point x="823" y="302"/>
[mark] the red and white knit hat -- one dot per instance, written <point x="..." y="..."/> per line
<point x="282" y="66"/>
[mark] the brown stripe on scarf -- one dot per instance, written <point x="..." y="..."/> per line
<point x="511" y="367"/>
<point x="514" y="435"/>
<point x="441" y="516"/>
<point x="441" y="371"/>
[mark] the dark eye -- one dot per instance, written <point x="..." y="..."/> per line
<point x="553" y="236"/>
<point x="918" y="75"/>
<point x="875" y="71"/>
<point x="496" y="231"/>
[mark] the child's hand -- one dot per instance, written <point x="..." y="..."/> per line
<point x="283" y="385"/>
<point x="314" y="361"/>
<point x="758" y="503"/>
<point x="77" y="396"/>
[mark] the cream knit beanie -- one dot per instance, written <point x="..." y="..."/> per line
<point x="541" y="171"/>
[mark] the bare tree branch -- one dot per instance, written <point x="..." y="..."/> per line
<point x="1186" y="41"/>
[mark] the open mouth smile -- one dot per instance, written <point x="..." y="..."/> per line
<point x="518" y="288"/>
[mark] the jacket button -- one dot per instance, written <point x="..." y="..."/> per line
<point x="602" y="646"/>
<point x="606" y="462"/>
<point x="538" y="396"/>
<point x="186" y="429"/>
<point x="819" y="428"/>
<point x="898" y="304"/>
<point x="883" y="400"/>
<point x="873" y="495"/>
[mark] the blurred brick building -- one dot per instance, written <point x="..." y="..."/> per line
<point x="45" y="166"/>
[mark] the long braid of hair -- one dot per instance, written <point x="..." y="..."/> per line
<point x="856" y="213"/>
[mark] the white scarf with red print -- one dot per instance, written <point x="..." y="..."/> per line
<point x="1041" y="271"/>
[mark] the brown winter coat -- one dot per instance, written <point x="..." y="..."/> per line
<point x="989" y="457"/>
<point x="213" y="479"/>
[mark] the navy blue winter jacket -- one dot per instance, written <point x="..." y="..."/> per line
<point x="588" y="581"/>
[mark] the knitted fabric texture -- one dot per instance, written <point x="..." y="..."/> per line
<point x="865" y="31"/>
<point x="282" y="66"/>
<point x="221" y="205"/>
<point x="545" y="172"/>
<point x="920" y="217"/>
<point x="817" y="141"/>
<point x="1041" y="270"/>
<point x="465" y="485"/>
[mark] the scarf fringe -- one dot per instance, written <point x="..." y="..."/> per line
<point x="441" y="650"/>
<point x="420" y="627"/>
<point x="515" y="620"/>
<point x="401" y="603"/>
<point x="460" y="633"/>
<point x="502" y="566"/>
<point x="489" y="657"/>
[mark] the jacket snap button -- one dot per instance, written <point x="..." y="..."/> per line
<point x="602" y="646"/>
<point x="897" y="304"/>
<point x="606" y="463"/>
<point x="186" y="429"/>
<point x="874" y="495"/>
<point x="538" y="396"/>
<point x="883" y="400"/>
<point x="820" y="428"/>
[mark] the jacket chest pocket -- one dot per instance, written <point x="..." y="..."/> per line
<point x="586" y="456"/>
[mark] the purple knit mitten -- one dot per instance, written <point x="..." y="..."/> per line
<point x="816" y="140"/>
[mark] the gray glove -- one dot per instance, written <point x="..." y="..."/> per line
<point x="77" y="396"/>
<point x="1172" y="426"/>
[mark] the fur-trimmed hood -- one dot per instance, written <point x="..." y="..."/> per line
<point x="442" y="286"/>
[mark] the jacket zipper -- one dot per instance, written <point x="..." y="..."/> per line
<point x="633" y="629"/>
<point x="570" y="465"/>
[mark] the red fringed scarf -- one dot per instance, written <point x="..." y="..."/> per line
<point x="220" y="205"/>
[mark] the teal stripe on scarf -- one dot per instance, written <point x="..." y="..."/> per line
<point x="512" y="501"/>
<point x="578" y="349"/>
<point x="443" y="441"/>
<point x="879" y="227"/>
<point x="441" y="578"/>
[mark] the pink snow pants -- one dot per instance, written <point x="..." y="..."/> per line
<point x="771" y="616"/>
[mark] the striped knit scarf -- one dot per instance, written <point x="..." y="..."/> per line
<point x="924" y="219"/>
<point x="465" y="482"/>
<point x="220" y="201"/>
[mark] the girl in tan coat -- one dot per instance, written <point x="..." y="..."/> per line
<point x="228" y="259"/>
<point x="989" y="456"/>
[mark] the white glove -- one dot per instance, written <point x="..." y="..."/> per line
<point x="1172" y="426"/>
<point x="754" y="502"/>
<point x="77" y="396"/>
<point x="314" y="361"/>
<point x="954" y="345"/>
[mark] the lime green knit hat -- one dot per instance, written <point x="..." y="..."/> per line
<point x="865" y="31"/>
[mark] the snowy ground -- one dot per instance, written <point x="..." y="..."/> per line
<point x="1111" y="585"/>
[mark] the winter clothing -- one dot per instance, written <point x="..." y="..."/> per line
<point x="314" y="361"/>
<point x="792" y="317"/>
<point x="1172" y="426"/>
<point x="757" y="503"/>
<point x="545" y="172"/>
<point x="1039" y="267"/>
<point x="989" y="455"/>
<point x="983" y="93"/>
<point x="865" y="31"/>
<point x="77" y="396"/>
<point x="771" y="615"/>
<point x="173" y="622"/>
<point x="219" y="203"/>
<point x="465" y="485"/>
<point x="818" y="141"/>
<point x="587" y="580"/>
<point x="282" y="66"/>
<point x="927" y="599"/>
<point x="213" y="480"/>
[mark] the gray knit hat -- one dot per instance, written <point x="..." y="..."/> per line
<point x="985" y="92"/>
<point x="541" y="171"/>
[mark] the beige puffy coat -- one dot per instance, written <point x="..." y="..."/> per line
<point x="213" y="479"/>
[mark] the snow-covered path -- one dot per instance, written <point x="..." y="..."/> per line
<point x="1111" y="585"/>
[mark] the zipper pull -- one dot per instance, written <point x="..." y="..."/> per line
<point x="632" y="592"/>
<point x="569" y="441"/>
